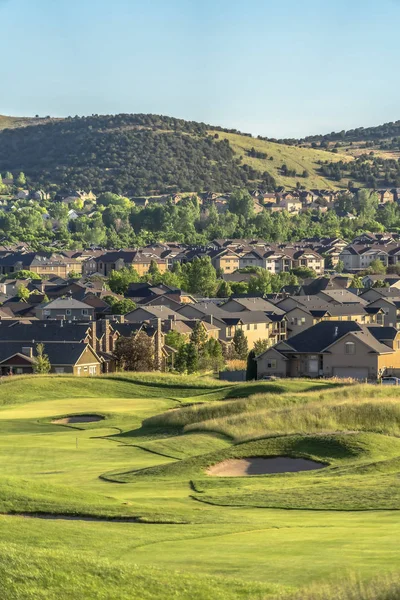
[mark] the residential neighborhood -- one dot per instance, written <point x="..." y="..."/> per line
<point x="67" y="302"/>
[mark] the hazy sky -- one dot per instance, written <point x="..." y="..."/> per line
<point x="293" y="67"/>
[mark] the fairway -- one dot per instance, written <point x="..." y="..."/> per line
<point x="123" y="507"/>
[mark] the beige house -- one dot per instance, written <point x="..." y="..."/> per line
<point x="335" y="349"/>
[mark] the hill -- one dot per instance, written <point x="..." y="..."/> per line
<point x="14" y="122"/>
<point x="304" y="162"/>
<point x="150" y="154"/>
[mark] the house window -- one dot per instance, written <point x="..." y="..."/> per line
<point x="19" y="371"/>
<point x="92" y="370"/>
<point x="85" y="312"/>
<point x="349" y="348"/>
<point x="248" y="327"/>
<point x="255" y="325"/>
<point x="68" y="312"/>
<point x="59" y="370"/>
<point x="271" y="364"/>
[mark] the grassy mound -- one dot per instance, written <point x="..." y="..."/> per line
<point x="190" y="534"/>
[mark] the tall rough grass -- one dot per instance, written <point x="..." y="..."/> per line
<point x="354" y="408"/>
<point x="386" y="588"/>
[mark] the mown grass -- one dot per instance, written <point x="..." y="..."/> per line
<point x="193" y="535"/>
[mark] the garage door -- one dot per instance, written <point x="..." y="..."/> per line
<point x="353" y="372"/>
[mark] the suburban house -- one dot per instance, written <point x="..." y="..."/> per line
<point x="225" y="260"/>
<point x="40" y="263"/>
<point x="334" y="349"/>
<point x="78" y="359"/>
<point x="140" y="261"/>
<point x="255" y="324"/>
<point x="357" y="257"/>
<point x="66" y="309"/>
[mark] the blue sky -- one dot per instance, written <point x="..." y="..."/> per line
<point x="286" y="68"/>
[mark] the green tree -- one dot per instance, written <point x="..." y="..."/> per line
<point x="25" y="274"/>
<point x="21" y="180"/>
<point x="261" y="283"/>
<point x="174" y="339"/>
<point x="339" y="267"/>
<point x="251" y="369"/>
<point x="376" y="267"/>
<point x="154" y="272"/>
<point x="192" y="358"/>
<point x="240" y="344"/>
<point x="119" y="280"/>
<point x="120" y="306"/>
<point x="304" y="273"/>
<point x="42" y="363"/>
<point x="260" y="346"/>
<point x="224" y="290"/>
<point x="367" y="204"/>
<point x="242" y="204"/>
<point x="23" y="293"/>
<point x="214" y="349"/>
<point x="181" y="359"/>
<point x="199" y="336"/>
<point x="200" y="277"/>
<point x="356" y="282"/>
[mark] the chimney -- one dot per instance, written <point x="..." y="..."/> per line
<point x="27" y="351"/>
<point x="93" y="336"/>
<point x="106" y="331"/>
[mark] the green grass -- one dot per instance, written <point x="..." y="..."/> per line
<point x="186" y="534"/>
<point x="294" y="157"/>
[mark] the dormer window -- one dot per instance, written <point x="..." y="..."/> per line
<point x="349" y="348"/>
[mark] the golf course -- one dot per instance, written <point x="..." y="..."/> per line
<point x="143" y="486"/>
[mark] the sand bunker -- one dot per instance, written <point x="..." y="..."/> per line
<point x="237" y="467"/>
<point x="78" y="419"/>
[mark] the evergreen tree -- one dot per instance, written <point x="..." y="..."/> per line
<point x="192" y="358"/>
<point x="42" y="362"/>
<point x="181" y="359"/>
<point x="154" y="272"/>
<point x="260" y="346"/>
<point x="21" y="180"/>
<point x="240" y="344"/>
<point x="251" y="370"/>
<point x="199" y="335"/>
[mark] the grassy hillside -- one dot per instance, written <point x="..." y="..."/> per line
<point x="124" y="508"/>
<point x="149" y="155"/>
<point x="14" y="122"/>
<point x="299" y="159"/>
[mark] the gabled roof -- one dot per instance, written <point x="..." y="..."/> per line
<point x="320" y="337"/>
<point x="65" y="303"/>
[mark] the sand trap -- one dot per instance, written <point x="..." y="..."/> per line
<point x="237" y="467"/>
<point x="78" y="419"/>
